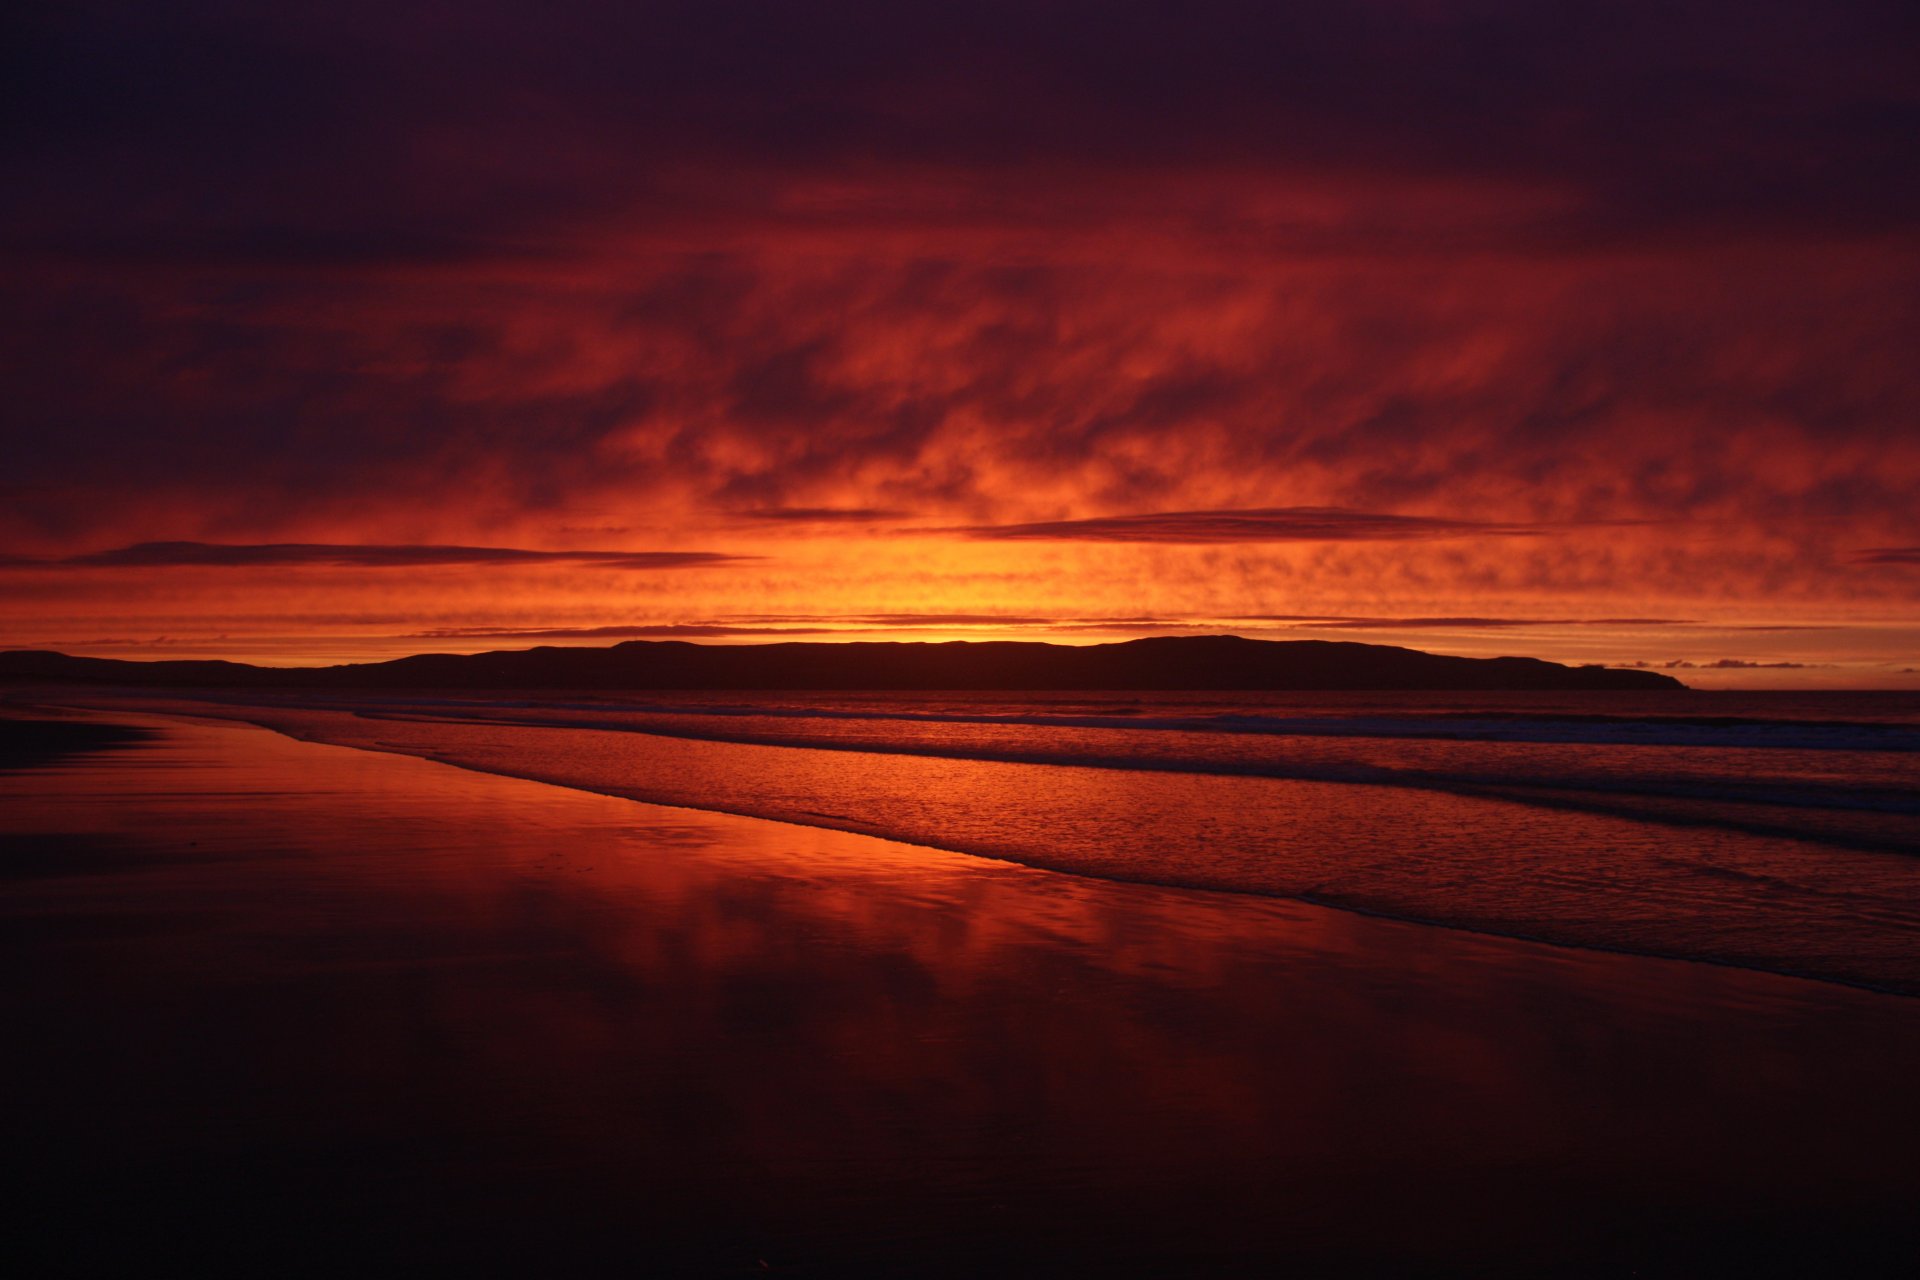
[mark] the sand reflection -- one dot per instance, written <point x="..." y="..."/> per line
<point x="368" y="996"/>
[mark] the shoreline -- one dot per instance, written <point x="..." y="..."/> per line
<point x="773" y="1039"/>
<point x="382" y="734"/>
<point x="825" y="823"/>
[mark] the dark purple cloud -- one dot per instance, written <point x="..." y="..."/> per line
<point x="1338" y="622"/>
<point x="1731" y="664"/>
<point x="909" y="619"/>
<point x="1271" y="524"/>
<point x="778" y="625"/>
<point x="295" y="554"/>
<point x="945" y="620"/>
<point x="825" y="515"/>
<point x="1889" y="555"/>
<point x="654" y="631"/>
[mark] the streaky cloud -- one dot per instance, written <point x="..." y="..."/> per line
<point x="1344" y="622"/>
<point x="171" y="555"/>
<point x="1888" y="555"/>
<point x="825" y="515"/>
<point x="947" y="620"/>
<point x="770" y="625"/>
<point x="1255" y="524"/>
<point x="1727" y="664"/>
<point x="843" y="620"/>
<point x="644" y="631"/>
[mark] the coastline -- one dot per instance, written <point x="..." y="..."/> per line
<point x="388" y="1007"/>
<point x="1468" y="859"/>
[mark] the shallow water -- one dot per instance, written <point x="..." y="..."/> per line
<point x="1774" y="831"/>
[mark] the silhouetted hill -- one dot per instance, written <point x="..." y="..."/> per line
<point x="1164" y="663"/>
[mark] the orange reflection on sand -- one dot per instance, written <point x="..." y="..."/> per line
<point x="742" y="1034"/>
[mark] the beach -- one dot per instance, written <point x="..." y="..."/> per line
<point x="878" y="638"/>
<point x="1773" y="832"/>
<point x="284" y="1006"/>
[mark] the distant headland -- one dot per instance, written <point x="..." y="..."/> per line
<point x="1167" y="663"/>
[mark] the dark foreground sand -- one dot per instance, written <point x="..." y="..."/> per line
<point x="270" y="1007"/>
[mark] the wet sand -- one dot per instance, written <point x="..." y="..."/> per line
<point x="278" y="1007"/>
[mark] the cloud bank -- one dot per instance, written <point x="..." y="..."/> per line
<point x="205" y="555"/>
<point x="1374" y="310"/>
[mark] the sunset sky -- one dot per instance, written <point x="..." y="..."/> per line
<point x="344" y="331"/>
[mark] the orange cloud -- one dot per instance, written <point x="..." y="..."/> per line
<point x="1403" y="349"/>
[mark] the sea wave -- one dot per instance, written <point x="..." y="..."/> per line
<point x="1765" y="791"/>
<point x="1716" y="864"/>
<point x="1740" y="732"/>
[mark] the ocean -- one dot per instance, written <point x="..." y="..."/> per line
<point x="1774" y="831"/>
